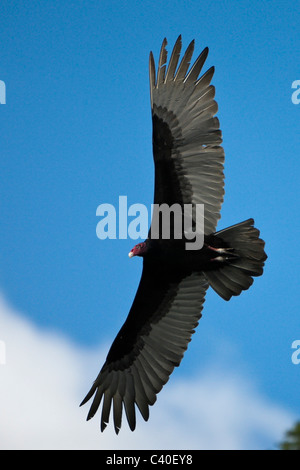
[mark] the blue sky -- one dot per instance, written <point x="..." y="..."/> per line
<point x="76" y="133"/>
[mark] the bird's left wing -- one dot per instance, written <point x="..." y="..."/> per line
<point x="187" y="150"/>
<point x="150" y="344"/>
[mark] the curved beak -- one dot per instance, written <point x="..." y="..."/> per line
<point x="130" y="254"/>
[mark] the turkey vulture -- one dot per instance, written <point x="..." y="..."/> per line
<point x="188" y="160"/>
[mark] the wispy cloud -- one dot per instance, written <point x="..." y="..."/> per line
<point x="46" y="376"/>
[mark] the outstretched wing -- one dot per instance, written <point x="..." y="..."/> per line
<point x="187" y="140"/>
<point x="150" y="344"/>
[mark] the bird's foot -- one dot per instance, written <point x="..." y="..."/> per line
<point x="225" y="254"/>
<point x="221" y="251"/>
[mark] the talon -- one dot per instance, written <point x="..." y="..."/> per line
<point x="222" y="251"/>
<point x="224" y="254"/>
<point x="219" y="258"/>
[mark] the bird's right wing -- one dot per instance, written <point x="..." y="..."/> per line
<point x="150" y="344"/>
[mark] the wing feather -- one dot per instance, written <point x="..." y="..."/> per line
<point x="196" y="68"/>
<point x="152" y="76"/>
<point x="162" y="64"/>
<point x="174" y="60"/>
<point x="185" y="62"/>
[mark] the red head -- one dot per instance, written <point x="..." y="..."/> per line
<point x="138" y="250"/>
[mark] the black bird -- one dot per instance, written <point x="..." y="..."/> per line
<point x="188" y="160"/>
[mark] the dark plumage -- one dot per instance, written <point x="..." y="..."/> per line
<point x="188" y="160"/>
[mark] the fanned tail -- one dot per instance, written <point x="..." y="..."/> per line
<point x="237" y="272"/>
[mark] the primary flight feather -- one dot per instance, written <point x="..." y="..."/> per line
<point x="188" y="159"/>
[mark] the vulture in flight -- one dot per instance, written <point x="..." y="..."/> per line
<point x="188" y="161"/>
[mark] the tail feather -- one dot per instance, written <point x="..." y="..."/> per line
<point x="236" y="274"/>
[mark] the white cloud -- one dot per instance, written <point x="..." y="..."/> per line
<point x="46" y="376"/>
